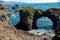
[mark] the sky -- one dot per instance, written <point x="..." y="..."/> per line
<point x="33" y="1"/>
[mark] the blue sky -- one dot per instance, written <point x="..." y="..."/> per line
<point x="33" y="1"/>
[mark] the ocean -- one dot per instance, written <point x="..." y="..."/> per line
<point x="43" y="6"/>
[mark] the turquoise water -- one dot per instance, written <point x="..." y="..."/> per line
<point x="14" y="19"/>
<point x="41" y="23"/>
<point x="44" y="22"/>
<point x="43" y="6"/>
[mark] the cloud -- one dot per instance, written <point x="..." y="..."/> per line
<point x="34" y="1"/>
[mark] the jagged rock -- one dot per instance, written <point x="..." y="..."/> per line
<point x="37" y="15"/>
<point x="53" y="14"/>
<point x="26" y="16"/>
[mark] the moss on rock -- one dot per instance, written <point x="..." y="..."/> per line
<point x="26" y="15"/>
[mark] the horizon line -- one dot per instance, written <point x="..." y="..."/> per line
<point x="32" y="2"/>
<point x="28" y="1"/>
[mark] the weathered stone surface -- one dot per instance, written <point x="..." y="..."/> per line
<point x="26" y="16"/>
<point x="52" y="13"/>
<point x="37" y="15"/>
<point x="3" y="16"/>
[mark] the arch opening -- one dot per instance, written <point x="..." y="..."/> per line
<point x="44" y="23"/>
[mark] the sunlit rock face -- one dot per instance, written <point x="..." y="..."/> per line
<point x="3" y="16"/>
<point x="44" y="23"/>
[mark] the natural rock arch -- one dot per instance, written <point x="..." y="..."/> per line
<point x="51" y="13"/>
<point x="53" y="19"/>
<point x="37" y="15"/>
<point x="44" y="23"/>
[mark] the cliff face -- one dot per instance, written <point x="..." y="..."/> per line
<point x="37" y="15"/>
<point x="53" y="14"/>
<point x="26" y="16"/>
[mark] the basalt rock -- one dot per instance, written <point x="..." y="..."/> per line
<point x="53" y="14"/>
<point x="37" y="15"/>
<point x="26" y="16"/>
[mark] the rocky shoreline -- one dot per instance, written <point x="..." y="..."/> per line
<point x="28" y="22"/>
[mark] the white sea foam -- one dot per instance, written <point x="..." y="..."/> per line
<point x="42" y="31"/>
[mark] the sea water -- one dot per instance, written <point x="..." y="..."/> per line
<point x="44" y="23"/>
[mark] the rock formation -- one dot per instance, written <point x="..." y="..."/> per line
<point x="16" y="8"/>
<point x="37" y="15"/>
<point x="28" y="21"/>
<point x="53" y="14"/>
<point x="26" y="16"/>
